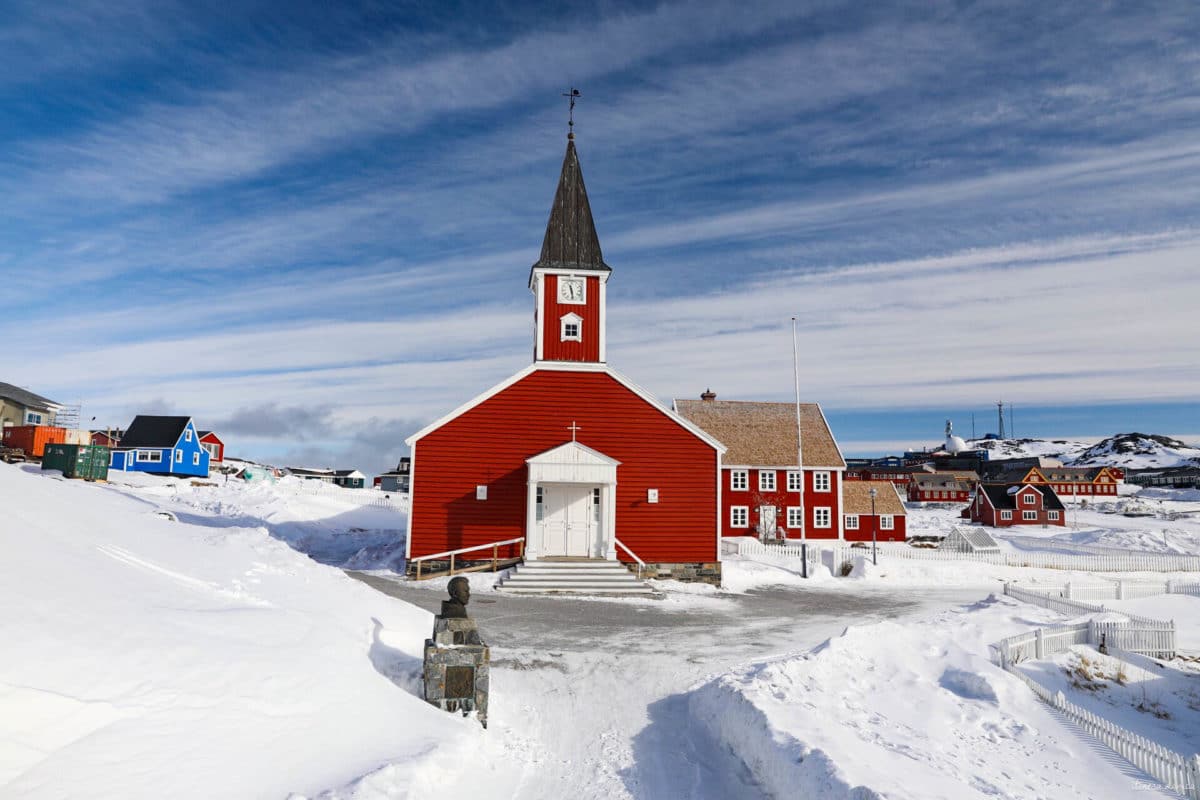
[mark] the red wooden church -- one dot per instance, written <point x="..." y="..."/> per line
<point x="569" y="455"/>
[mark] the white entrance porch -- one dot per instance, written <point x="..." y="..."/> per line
<point x="571" y="504"/>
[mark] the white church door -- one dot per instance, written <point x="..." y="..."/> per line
<point x="567" y="521"/>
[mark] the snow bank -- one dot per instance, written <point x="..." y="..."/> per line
<point x="152" y="658"/>
<point x="903" y="711"/>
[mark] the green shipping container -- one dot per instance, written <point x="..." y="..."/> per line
<point x="87" y="461"/>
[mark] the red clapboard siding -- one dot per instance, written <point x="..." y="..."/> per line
<point x="865" y="525"/>
<point x="489" y="444"/>
<point x="781" y="499"/>
<point x="553" y="348"/>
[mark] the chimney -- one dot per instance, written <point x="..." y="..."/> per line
<point x="708" y="395"/>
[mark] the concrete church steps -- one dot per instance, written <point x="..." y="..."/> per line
<point x="578" y="577"/>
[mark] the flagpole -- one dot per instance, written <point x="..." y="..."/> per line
<point x="799" y="435"/>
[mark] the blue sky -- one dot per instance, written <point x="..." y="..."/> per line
<point x="310" y="226"/>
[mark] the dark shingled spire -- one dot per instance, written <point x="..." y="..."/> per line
<point x="571" y="240"/>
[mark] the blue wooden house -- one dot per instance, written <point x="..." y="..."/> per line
<point x="162" y="445"/>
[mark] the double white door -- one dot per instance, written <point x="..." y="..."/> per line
<point x="569" y="521"/>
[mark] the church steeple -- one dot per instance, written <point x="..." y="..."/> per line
<point x="571" y="241"/>
<point x="569" y="280"/>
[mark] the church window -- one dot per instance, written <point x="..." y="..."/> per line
<point x="571" y="328"/>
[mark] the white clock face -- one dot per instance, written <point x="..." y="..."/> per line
<point x="570" y="290"/>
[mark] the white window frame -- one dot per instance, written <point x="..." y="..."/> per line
<point x="596" y="505"/>
<point x="1006" y="514"/>
<point x="149" y="456"/>
<point x="187" y="435"/>
<point x="583" y="288"/>
<point x="33" y="418"/>
<point x="195" y="459"/>
<point x="887" y="522"/>
<point x="822" y="517"/>
<point x="739" y="476"/>
<point x="766" y="480"/>
<point x="540" y="505"/>
<point x="1029" y="515"/>
<point x="794" y="477"/>
<point x="851" y="522"/>
<point x="565" y="322"/>
<point x="821" y="482"/>
<point x="794" y="518"/>
<point x="741" y="513"/>
<point x="1052" y="516"/>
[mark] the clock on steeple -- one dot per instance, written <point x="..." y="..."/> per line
<point x="569" y="280"/>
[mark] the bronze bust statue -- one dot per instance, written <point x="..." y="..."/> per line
<point x="460" y="595"/>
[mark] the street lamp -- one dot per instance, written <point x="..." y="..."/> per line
<point x="874" y="528"/>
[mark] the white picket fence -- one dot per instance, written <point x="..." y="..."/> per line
<point x="1115" y="562"/>
<point x="1179" y="772"/>
<point x="1140" y="635"/>
<point x="393" y="501"/>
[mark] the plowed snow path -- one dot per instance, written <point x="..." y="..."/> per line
<point x="589" y="696"/>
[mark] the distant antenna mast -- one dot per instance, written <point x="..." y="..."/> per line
<point x="1012" y="429"/>
<point x="972" y="424"/>
<point x="574" y="94"/>
<point x="1000" y="414"/>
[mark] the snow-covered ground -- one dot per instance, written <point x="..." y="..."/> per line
<point x="175" y="640"/>
<point x="1174" y="526"/>
<point x="150" y="658"/>
<point x="907" y="711"/>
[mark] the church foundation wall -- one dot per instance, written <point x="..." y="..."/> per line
<point x="690" y="572"/>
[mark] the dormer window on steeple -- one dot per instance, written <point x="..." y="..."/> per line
<point x="571" y="328"/>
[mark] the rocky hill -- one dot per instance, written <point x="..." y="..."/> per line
<point x="1139" y="450"/>
<point x="1131" y="450"/>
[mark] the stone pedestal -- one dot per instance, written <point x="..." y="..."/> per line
<point x="456" y="667"/>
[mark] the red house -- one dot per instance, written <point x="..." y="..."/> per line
<point x="884" y="515"/>
<point x="760" y="473"/>
<point x="1001" y="505"/>
<point x="941" y="487"/>
<point x="568" y="455"/>
<point x="109" y="438"/>
<point x="215" y="447"/>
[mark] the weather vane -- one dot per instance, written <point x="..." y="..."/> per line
<point x="573" y="94"/>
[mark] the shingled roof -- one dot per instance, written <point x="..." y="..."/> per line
<point x="153" y="431"/>
<point x="856" y="498"/>
<point x="571" y="241"/>
<point x="764" y="434"/>
<point x="26" y="398"/>
<point x="1001" y="495"/>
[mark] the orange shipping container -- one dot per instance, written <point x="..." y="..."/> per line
<point x="33" y="438"/>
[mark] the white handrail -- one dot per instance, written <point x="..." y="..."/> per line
<point x="452" y="553"/>
<point x="633" y="555"/>
<point x="467" y="549"/>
